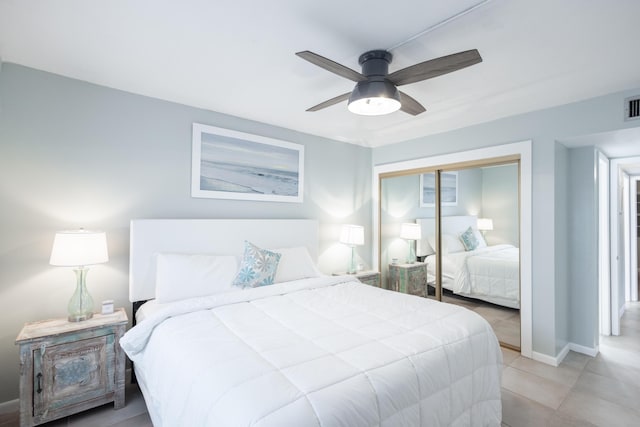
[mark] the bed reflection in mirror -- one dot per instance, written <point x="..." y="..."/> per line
<point x="479" y="260"/>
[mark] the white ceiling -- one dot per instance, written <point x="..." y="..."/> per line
<point x="237" y="56"/>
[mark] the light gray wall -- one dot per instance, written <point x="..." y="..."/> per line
<point x="74" y="154"/>
<point x="562" y="213"/>
<point x="583" y="241"/>
<point x="543" y="128"/>
<point x="500" y="202"/>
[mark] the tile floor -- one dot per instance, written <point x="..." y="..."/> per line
<point x="582" y="391"/>
<point x="504" y="321"/>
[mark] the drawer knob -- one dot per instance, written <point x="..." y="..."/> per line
<point x="39" y="378"/>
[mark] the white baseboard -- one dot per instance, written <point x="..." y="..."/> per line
<point x="557" y="360"/>
<point x="10" y="406"/>
<point x="563" y="353"/>
<point x="544" y="358"/>
<point x="589" y="351"/>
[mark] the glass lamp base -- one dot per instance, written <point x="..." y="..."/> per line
<point x="412" y="254"/>
<point x="352" y="262"/>
<point x="81" y="304"/>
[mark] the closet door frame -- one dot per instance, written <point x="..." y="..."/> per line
<point x="507" y="153"/>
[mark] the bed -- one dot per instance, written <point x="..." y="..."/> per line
<point x="488" y="273"/>
<point x="305" y="351"/>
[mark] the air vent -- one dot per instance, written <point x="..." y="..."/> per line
<point x="632" y="108"/>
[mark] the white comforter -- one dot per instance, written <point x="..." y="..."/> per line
<point x="491" y="273"/>
<point x="328" y="351"/>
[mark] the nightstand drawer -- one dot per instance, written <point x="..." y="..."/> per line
<point x="68" y="374"/>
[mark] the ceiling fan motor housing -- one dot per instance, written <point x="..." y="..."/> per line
<point x="375" y="63"/>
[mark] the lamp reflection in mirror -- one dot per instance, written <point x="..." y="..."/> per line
<point x="79" y="249"/>
<point x="410" y="231"/>
<point x="485" y="224"/>
<point x="352" y="235"/>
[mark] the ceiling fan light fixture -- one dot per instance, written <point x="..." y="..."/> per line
<point x="374" y="98"/>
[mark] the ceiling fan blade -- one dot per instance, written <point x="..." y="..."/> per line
<point x="435" y="67"/>
<point x="410" y="105"/>
<point x="330" y="102"/>
<point x="332" y="66"/>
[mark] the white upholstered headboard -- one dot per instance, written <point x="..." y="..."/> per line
<point x="207" y="236"/>
<point x="454" y="225"/>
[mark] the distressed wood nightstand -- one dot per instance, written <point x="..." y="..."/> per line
<point x="68" y="367"/>
<point x="367" y="277"/>
<point x="408" y="278"/>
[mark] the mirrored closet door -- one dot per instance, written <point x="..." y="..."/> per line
<point x="451" y="233"/>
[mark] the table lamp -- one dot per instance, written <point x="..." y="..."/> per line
<point x="79" y="249"/>
<point x="485" y="224"/>
<point x="352" y="235"/>
<point x="410" y="231"/>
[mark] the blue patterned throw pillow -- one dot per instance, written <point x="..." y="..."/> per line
<point x="257" y="268"/>
<point x="469" y="239"/>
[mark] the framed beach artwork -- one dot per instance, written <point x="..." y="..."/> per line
<point x="448" y="189"/>
<point x="228" y="164"/>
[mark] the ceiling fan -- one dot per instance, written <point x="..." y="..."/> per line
<point x="375" y="92"/>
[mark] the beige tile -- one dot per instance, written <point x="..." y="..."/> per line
<point x="618" y="355"/>
<point x="628" y="342"/>
<point x="576" y="360"/>
<point x="541" y="390"/>
<point x="608" y="367"/>
<point x="106" y="415"/>
<point x="613" y="390"/>
<point x="508" y="332"/>
<point x="142" y="420"/>
<point x="564" y="375"/>
<point x="598" y="411"/>
<point x="558" y="419"/>
<point x="491" y="313"/>
<point x="508" y="356"/>
<point x="518" y="411"/>
<point x="459" y="301"/>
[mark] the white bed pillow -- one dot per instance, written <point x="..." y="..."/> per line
<point x="295" y="264"/>
<point x="424" y="247"/>
<point x="453" y="243"/>
<point x="182" y="276"/>
<point x="450" y="243"/>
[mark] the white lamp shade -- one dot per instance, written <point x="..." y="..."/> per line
<point x="485" y="224"/>
<point x="410" y="231"/>
<point x="78" y="248"/>
<point x="352" y="234"/>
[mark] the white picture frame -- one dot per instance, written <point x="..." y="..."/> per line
<point x="228" y="164"/>
<point x="448" y="189"/>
